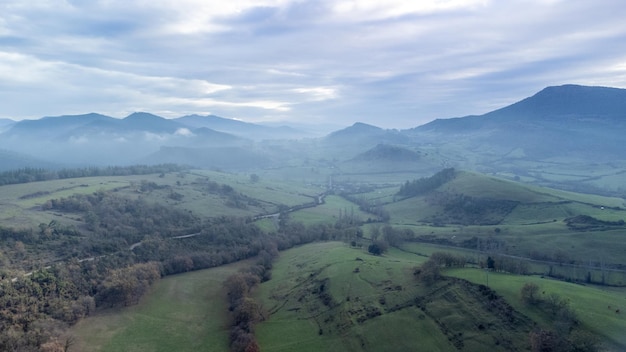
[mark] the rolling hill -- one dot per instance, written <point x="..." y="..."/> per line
<point x="568" y="137"/>
<point x="567" y="120"/>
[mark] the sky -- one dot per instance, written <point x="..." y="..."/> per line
<point x="391" y="63"/>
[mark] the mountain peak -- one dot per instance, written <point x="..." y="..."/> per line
<point x="148" y="122"/>
<point x="143" y="116"/>
<point x="572" y="99"/>
<point x="364" y="127"/>
<point x="358" y="128"/>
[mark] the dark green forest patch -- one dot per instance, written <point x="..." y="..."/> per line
<point x="587" y="223"/>
<point x="466" y="210"/>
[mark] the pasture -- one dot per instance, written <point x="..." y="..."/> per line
<point x="332" y="210"/>
<point x="185" y="312"/>
<point x="332" y="297"/>
<point x="595" y="306"/>
<point x="20" y="203"/>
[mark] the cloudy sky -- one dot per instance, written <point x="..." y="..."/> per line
<point x="392" y="63"/>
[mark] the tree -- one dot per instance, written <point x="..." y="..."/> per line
<point x="254" y="178"/>
<point x="237" y="288"/>
<point x="529" y="293"/>
<point x="428" y="272"/>
<point x="378" y="247"/>
<point x="556" y="303"/>
<point x="491" y="263"/>
<point x="544" y="341"/>
<point x="584" y="341"/>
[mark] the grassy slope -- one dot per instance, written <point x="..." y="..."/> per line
<point x="379" y="307"/>
<point x="184" y="312"/>
<point x="24" y="213"/>
<point x="536" y="204"/>
<point x="329" y="211"/>
<point x="298" y="317"/>
<point x="590" y="303"/>
<point x="535" y="224"/>
<point x="268" y="194"/>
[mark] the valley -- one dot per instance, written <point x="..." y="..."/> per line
<point x="458" y="235"/>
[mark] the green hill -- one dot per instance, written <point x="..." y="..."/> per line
<point x="475" y="199"/>
<point x="331" y="297"/>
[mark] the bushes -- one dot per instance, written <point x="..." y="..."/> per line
<point x="429" y="272"/>
<point x="565" y="334"/>
<point x="425" y="185"/>
<point x="378" y="247"/>
<point x="246" y="312"/>
<point x="124" y="287"/>
<point x="529" y="293"/>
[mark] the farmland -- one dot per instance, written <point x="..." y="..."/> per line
<point x="328" y="292"/>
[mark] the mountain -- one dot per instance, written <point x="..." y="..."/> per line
<point x="142" y="121"/>
<point x="385" y="152"/>
<point x="10" y="160"/>
<point x="366" y="134"/>
<point x="567" y="120"/>
<point x="240" y="128"/>
<point x="567" y="136"/>
<point x="50" y="127"/>
<point x="572" y="104"/>
<point x="6" y="124"/>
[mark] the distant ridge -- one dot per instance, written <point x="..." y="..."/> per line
<point x="143" y="121"/>
<point x="385" y="152"/>
<point x="570" y="101"/>
<point x="358" y="129"/>
<point x="574" y="121"/>
<point x="558" y="104"/>
<point x="239" y="128"/>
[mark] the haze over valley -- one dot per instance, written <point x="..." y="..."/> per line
<point x="567" y="137"/>
<point x="509" y="220"/>
<point x="312" y="175"/>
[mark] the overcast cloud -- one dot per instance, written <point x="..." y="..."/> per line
<point x="389" y="63"/>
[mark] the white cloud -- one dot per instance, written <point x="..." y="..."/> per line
<point x="376" y="10"/>
<point x="185" y="132"/>
<point x="306" y="59"/>
<point x="319" y="93"/>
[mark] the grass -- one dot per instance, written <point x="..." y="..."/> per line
<point x="590" y="302"/>
<point x="294" y="324"/>
<point x="331" y="297"/>
<point x="263" y="196"/>
<point x="535" y="227"/>
<point x="323" y="296"/>
<point x="329" y="212"/>
<point x="184" y="312"/>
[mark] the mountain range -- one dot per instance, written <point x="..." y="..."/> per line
<point x="580" y="128"/>
<point x="568" y="120"/>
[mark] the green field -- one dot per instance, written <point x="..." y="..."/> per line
<point x="19" y="203"/>
<point x="333" y="208"/>
<point x="185" y="312"/>
<point x="297" y="318"/>
<point x="333" y="297"/>
<point x="591" y="303"/>
<point x="329" y="296"/>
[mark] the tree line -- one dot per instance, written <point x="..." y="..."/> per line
<point x="426" y="184"/>
<point x="97" y="269"/>
<point x="565" y="332"/>
<point x="32" y="174"/>
<point x="245" y="311"/>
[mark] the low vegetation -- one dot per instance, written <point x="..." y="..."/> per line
<point x="370" y="263"/>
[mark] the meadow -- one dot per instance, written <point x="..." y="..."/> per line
<point x="332" y="297"/>
<point x="599" y="308"/>
<point x="335" y="297"/>
<point x="184" y="312"/>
